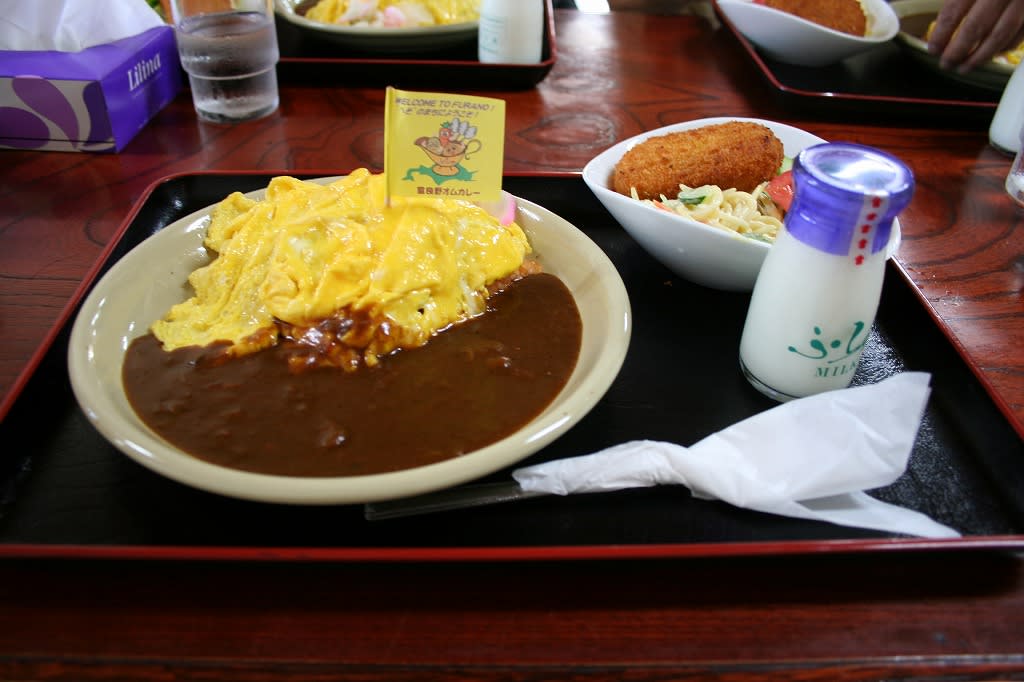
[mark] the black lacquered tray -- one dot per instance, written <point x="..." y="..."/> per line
<point x="309" y="59"/>
<point x="64" y="491"/>
<point x="885" y="80"/>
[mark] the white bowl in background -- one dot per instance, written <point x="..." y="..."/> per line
<point x="790" y="39"/>
<point x="710" y="256"/>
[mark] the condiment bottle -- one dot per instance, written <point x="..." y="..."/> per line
<point x="1004" y="131"/>
<point x="511" y="31"/>
<point x="817" y="293"/>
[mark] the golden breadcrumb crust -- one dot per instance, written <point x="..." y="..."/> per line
<point x="733" y="155"/>
<point x="839" y="15"/>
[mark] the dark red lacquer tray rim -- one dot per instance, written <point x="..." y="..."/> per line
<point x="1008" y="543"/>
<point x="497" y="553"/>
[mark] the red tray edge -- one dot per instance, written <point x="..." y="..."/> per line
<point x="531" y="553"/>
<point x="1010" y="543"/>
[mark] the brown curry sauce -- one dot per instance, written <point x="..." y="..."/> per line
<point x="470" y="386"/>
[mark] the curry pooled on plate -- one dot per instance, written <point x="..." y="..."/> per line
<point x="335" y="334"/>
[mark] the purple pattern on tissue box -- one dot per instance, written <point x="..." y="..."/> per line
<point x="96" y="99"/>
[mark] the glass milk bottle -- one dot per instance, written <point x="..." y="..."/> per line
<point x="818" y="290"/>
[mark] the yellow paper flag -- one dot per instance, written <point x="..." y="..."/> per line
<point x="443" y="145"/>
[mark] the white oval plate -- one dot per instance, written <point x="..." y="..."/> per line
<point x="380" y="38"/>
<point x="140" y="288"/>
<point x="713" y="257"/>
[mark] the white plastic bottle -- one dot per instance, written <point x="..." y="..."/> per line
<point x="817" y="293"/>
<point x="1004" y="132"/>
<point x="511" y="31"/>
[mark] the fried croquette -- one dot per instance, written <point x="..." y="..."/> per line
<point x="733" y="155"/>
<point x="846" y="16"/>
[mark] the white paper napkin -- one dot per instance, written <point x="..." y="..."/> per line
<point x="72" y="25"/>
<point x="809" y="458"/>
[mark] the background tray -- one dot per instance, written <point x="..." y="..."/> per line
<point x="64" y="491"/>
<point x="308" y="59"/>
<point x="883" y="80"/>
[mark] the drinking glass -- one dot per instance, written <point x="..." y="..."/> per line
<point x="228" y="48"/>
<point x="1009" y="116"/>
<point x="1015" y="178"/>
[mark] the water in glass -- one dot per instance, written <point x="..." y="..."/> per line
<point x="230" y="59"/>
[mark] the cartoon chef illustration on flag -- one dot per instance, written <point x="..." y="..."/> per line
<point x="443" y="145"/>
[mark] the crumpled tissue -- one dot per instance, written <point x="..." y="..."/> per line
<point x="73" y="25"/>
<point x="809" y="458"/>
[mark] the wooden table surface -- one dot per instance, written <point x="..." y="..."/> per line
<point x="933" y="615"/>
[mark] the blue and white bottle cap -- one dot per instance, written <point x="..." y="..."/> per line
<point x="846" y="196"/>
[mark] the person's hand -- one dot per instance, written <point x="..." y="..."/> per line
<point x="983" y="29"/>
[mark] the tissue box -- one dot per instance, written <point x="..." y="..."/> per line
<point x="94" y="100"/>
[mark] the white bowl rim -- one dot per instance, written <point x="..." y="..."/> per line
<point x="600" y="186"/>
<point x="620" y="148"/>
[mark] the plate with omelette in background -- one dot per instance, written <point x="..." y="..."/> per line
<point x="153" y="277"/>
<point x="916" y="18"/>
<point x="385" y="26"/>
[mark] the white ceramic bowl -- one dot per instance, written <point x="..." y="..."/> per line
<point x="379" y="39"/>
<point x="707" y="255"/>
<point x="914" y="17"/>
<point x="140" y="287"/>
<point x="787" y="38"/>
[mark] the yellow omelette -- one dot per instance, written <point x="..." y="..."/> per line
<point x="308" y="252"/>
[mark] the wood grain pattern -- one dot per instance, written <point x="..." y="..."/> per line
<point x="722" y="620"/>
<point x="907" y="615"/>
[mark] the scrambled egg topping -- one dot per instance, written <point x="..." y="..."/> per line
<point x="308" y="252"/>
<point x="394" y="13"/>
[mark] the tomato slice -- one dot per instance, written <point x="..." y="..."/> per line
<point x="780" y="189"/>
